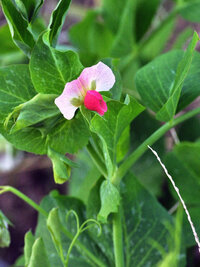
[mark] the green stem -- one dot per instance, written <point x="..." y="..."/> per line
<point x="4" y="189"/>
<point x="70" y="248"/>
<point x="135" y="155"/>
<point x="118" y="239"/>
<point x="83" y="249"/>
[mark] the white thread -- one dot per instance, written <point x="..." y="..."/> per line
<point x="179" y="195"/>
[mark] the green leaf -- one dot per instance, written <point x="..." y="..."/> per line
<point x="183" y="163"/>
<point x="9" y="53"/>
<point x="29" y="240"/>
<point x="51" y="69"/>
<point x="84" y="177"/>
<point x="29" y="8"/>
<point x="15" y="88"/>
<point x="38" y="109"/>
<point x="61" y="166"/>
<point x="110" y="127"/>
<point x="124" y="40"/>
<point x="60" y="134"/>
<point x="18" y="27"/>
<point x="110" y="200"/>
<point x="144" y="218"/>
<point x="39" y="255"/>
<point x="190" y="10"/>
<point x="159" y="83"/>
<point x="57" y="19"/>
<point x="169" y="109"/>
<point x="92" y="38"/>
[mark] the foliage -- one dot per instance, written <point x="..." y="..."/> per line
<point x="112" y="216"/>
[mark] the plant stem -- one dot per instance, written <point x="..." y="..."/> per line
<point x="135" y="155"/>
<point x="83" y="249"/>
<point x="70" y="248"/>
<point x="4" y="189"/>
<point x="118" y="239"/>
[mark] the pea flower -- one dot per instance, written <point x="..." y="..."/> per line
<point x="85" y="91"/>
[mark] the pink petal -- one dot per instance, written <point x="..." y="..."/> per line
<point x="94" y="101"/>
<point x="72" y="90"/>
<point x="99" y="74"/>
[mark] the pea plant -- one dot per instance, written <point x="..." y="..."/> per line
<point x="104" y="99"/>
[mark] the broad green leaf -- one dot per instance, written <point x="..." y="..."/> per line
<point x="18" y="27"/>
<point x="47" y="126"/>
<point x="79" y="255"/>
<point x="60" y="134"/>
<point x="92" y="38"/>
<point x="183" y="163"/>
<point x="9" y="52"/>
<point x="84" y="177"/>
<point x="38" y="109"/>
<point x="144" y="218"/>
<point x="29" y="8"/>
<point x="69" y="136"/>
<point x="51" y="69"/>
<point x="169" y="109"/>
<point x="155" y="81"/>
<point x="61" y="166"/>
<point x="110" y="200"/>
<point x="57" y="19"/>
<point x="190" y="10"/>
<point x="176" y="256"/>
<point x="29" y="240"/>
<point x="124" y="40"/>
<point x="110" y="127"/>
<point x="43" y="129"/>
<point x="15" y="88"/>
<point x="186" y="158"/>
<point x="39" y="255"/>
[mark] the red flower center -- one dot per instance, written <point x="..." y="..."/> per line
<point x="94" y="101"/>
